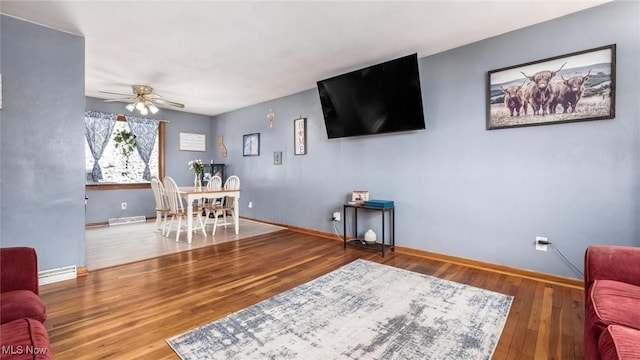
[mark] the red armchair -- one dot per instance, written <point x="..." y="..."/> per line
<point x="612" y="303"/>
<point x="22" y="312"/>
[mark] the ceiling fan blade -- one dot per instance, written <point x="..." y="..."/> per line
<point x="120" y="99"/>
<point x="167" y="102"/>
<point x="152" y="96"/>
<point x="112" y="93"/>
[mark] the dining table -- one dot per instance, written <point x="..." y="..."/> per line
<point x="191" y="194"/>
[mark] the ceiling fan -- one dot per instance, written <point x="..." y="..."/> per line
<point x="143" y="99"/>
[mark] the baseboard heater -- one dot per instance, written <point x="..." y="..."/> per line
<point x="59" y="274"/>
<point x="127" y="220"/>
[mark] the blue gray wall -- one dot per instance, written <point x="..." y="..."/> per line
<point x="460" y="189"/>
<point x="103" y="205"/>
<point x="42" y="188"/>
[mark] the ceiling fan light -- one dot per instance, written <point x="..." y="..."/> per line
<point x="131" y="107"/>
<point x="144" y="110"/>
<point x="154" y="109"/>
<point x="140" y="106"/>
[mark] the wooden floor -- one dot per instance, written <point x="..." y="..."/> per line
<point x="127" y="312"/>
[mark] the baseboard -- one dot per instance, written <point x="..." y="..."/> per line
<point x="127" y="220"/>
<point x="51" y="276"/>
<point x="106" y="223"/>
<point x="317" y="233"/>
<point x="95" y="225"/>
<point x="477" y="264"/>
<point x="497" y="268"/>
<point x="82" y="271"/>
<point x="302" y="230"/>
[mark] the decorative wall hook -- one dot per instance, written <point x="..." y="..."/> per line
<point x="221" y="148"/>
<point x="271" y="115"/>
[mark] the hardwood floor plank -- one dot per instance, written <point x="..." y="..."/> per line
<point x="555" y="335"/>
<point x="127" y="312"/>
<point x="544" y="325"/>
<point x="520" y="314"/>
<point x="577" y="305"/>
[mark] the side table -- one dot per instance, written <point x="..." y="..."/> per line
<point x="359" y="242"/>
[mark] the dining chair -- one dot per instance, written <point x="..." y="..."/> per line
<point x="162" y="208"/>
<point x="177" y="209"/>
<point x="212" y="203"/>
<point x="227" y="204"/>
<point x="215" y="183"/>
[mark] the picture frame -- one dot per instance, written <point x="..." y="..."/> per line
<point x="277" y="158"/>
<point x="359" y="196"/>
<point x="300" y="136"/>
<point x="251" y="144"/>
<point x="189" y="141"/>
<point x="573" y="87"/>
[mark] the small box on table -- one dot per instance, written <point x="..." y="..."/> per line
<point x="379" y="203"/>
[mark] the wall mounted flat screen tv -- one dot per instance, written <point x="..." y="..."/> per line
<point x="383" y="98"/>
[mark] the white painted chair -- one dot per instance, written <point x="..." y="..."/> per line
<point x="212" y="203"/>
<point x="227" y="205"/>
<point x="162" y="208"/>
<point x="177" y="209"/>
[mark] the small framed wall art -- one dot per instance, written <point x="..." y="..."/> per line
<point x="277" y="158"/>
<point x="192" y="142"/>
<point x="251" y="145"/>
<point x="300" y="136"/>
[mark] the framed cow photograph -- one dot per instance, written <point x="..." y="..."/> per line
<point x="567" y="88"/>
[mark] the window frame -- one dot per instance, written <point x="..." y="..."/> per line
<point x="161" y="165"/>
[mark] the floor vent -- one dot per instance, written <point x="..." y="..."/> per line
<point x="59" y="274"/>
<point x="127" y="220"/>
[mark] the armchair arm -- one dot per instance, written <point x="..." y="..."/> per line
<point x="18" y="269"/>
<point x="608" y="262"/>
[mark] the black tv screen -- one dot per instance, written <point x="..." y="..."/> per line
<point x="378" y="99"/>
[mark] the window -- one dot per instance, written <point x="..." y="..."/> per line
<point x="118" y="171"/>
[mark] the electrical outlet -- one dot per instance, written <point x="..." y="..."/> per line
<point x="123" y="206"/>
<point x="541" y="243"/>
<point x="336" y="216"/>
<point x="250" y="204"/>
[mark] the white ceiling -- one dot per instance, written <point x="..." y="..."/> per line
<point x="219" y="56"/>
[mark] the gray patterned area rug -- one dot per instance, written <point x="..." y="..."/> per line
<point x="363" y="310"/>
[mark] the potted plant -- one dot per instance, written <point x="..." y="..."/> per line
<point x="126" y="144"/>
<point x="197" y="167"/>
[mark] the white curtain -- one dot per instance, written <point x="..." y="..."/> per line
<point x="146" y="131"/>
<point x="98" y="127"/>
